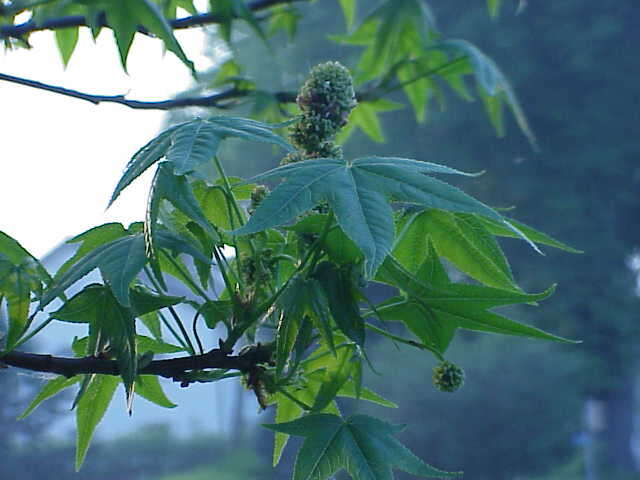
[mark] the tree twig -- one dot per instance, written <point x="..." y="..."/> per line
<point x="22" y="29"/>
<point x="215" y="100"/>
<point x="175" y="368"/>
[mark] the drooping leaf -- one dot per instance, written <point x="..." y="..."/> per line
<point x="349" y="11"/>
<point x="359" y="192"/>
<point x="144" y="300"/>
<point x="362" y="445"/>
<point x="166" y="185"/>
<point x="192" y="144"/>
<point x="343" y="299"/>
<point x="493" y="85"/>
<point x="50" y="389"/>
<point x="90" y="410"/>
<point x="109" y="321"/>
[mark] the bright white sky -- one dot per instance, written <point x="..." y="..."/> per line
<point x="62" y="157"/>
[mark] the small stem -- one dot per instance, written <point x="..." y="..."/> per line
<point x="412" y="343"/>
<point x="166" y="323"/>
<point x="183" y="330"/>
<point x="195" y="332"/>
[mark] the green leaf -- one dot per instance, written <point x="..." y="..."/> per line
<point x="90" y="410"/>
<point x="493" y="85"/>
<point x="92" y="239"/>
<point x="365" y="118"/>
<point x="119" y="262"/>
<point x="358" y="192"/>
<point x="50" y="389"/>
<point x="433" y="307"/>
<point x="494" y="7"/>
<point x="191" y="144"/>
<point x="124" y="25"/>
<point x="150" y="16"/>
<point x="349" y="11"/>
<point x="110" y="321"/>
<point x="335" y="376"/>
<point x="66" y="39"/>
<point x="176" y="189"/>
<point x="343" y="299"/>
<point x="393" y="31"/>
<point x="534" y="235"/>
<point x="460" y="238"/>
<point x="348" y="390"/>
<point x="148" y="387"/>
<point x="363" y="446"/>
<point x="144" y="300"/>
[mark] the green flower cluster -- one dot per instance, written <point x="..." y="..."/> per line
<point x="448" y="377"/>
<point x="326" y="99"/>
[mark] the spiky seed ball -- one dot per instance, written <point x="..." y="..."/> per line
<point x="326" y="99"/>
<point x="448" y="377"/>
<point x="257" y="195"/>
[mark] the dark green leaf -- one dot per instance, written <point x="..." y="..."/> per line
<point x="192" y="144"/>
<point x="364" y="446"/>
<point x="359" y="192"/>
<point x="343" y="299"/>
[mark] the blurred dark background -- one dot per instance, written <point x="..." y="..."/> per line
<point x="529" y="410"/>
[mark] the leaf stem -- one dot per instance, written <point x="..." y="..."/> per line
<point x="412" y="343"/>
<point x="300" y="403"/>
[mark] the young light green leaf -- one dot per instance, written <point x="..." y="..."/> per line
<point x="499" y="229"/>
<point x="90" y="410"/>
<point x="50" y="389"/>
<point x="445" y="305"/>
<point x="460" y="238"/>
<point x="348" y="390"/>
<point x="149" y="388"/>
<point x="66" y="39"/>
<point x="363" y="446"/>
<point x="359" y="193"/>
<point x="365" y="118"/>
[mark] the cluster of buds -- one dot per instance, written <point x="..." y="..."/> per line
<point x="258" y="194"/>
<point x="448" y="377"/>
<point x="326" y="99"/>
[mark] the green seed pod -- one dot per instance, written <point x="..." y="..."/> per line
<point x="448" y="377"/>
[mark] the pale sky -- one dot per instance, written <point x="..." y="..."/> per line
<point x="62" y="157"/>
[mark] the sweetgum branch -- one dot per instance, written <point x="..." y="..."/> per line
<point x="175" y="368"/>
<point x="22" y="29"/>
<point x="219" y="100"/>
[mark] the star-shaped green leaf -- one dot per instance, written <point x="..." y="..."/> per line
<point x="190" y="145"/>
<point x="359" y="192"/>
<point x="362" y="445"/>
<point x="433" y="307"/>
<point x="119" y="261"/>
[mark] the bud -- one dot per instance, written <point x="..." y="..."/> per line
<point x="448" y="377"/>
<point x="257" y="195"/>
